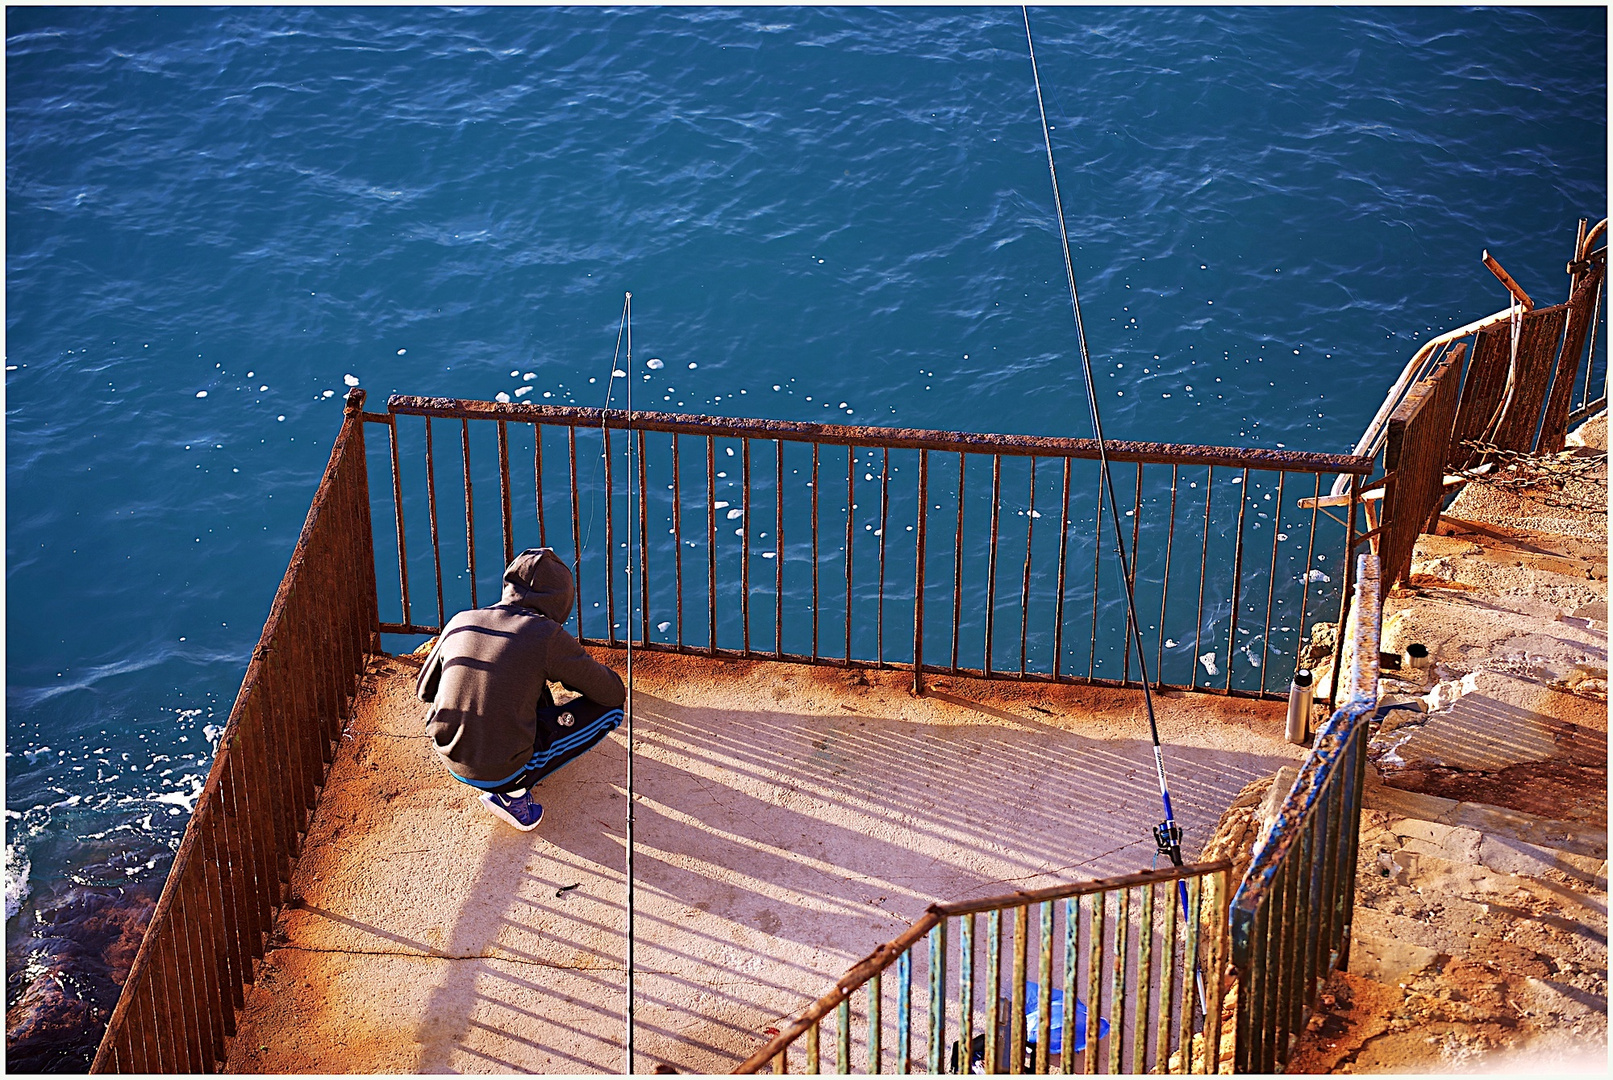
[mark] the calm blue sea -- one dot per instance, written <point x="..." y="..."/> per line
<point x="218" y="219"/>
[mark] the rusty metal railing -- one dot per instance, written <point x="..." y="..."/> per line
<point x="1139" y="956"/>
<point x="1523" y="392"/>
<point x="230" y="873"/>
<point x="1291" y="916"/>
<point x="927" y="551"/>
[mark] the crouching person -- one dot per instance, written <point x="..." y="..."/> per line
<point x="492" y="719"/>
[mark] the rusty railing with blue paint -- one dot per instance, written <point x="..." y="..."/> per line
<point x="1141" y="956"/>
<point x="1291" y="917"/>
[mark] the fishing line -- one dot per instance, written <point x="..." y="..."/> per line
<point x="1167" y="834"/>
<point x="633" y="525"/>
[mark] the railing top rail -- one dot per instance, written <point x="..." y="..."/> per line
<point x="892" y="438"/>
<point x="1080" y="888"/>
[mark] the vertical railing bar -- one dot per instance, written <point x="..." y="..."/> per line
<point x="1097" y="561"/>
<point x="711" y="543"/>
<point x="537" y="482"/>
<point x="1117" y="1006"/>
<point x="812" y="1036"/>
<point x="1131" y="578"/>
<point x="744" y="562"/>
<point x="504" y="491"/>
<point x="1271" y="582"/>
<point x="938" y="1000"/>
<point x="884" y="524"/>
<point x="1215" y="971"/>
<point x="850" y="500"/>
<point x="1167" y="984"/>
<point x="1025" y="586"/>
<point x="1058" y="598"/>
<point x="851" y="466"/>
<point x="922" y="526"/>
<point x="576" y="533"/>
<point x="1044" y="988"/>
<point x="1355" y="746"/>
<point x="186" y="964"/>
<point x="966" y="995"/>
<point x="1298" y="998"/>
<point x="610" y="539"/>
<point x="183" y="1046"/>
<point x="1095" y="951"/>
<point x="1310" y="554"/>
<point x="1190" y="970"/>
<point x="470" y="516"/>
<point x="1204" y="563"/>
<point x="431" y="504"/>
<point x="1237" y="576"/>
<point x="1165" y="588"/>
<point x="1016" y="992"/>
<point x="991" y="565"/>
<point x="778" y="552"/>
<point x="957" y="567"/>
<point x="221" y="917"/>
<point x="1334" y="821"/>
<point x="876" y="1033"/>
<point x="644" y="541"/>
<point x="994" y="1019"/>
<point x="815" y="606"/>
<point x="843" y="1036"/>
<point x="677" y="532"/>
<point x="1145" y="977"/>
<point x="904" y="1012"/>
<point x="1243" y="1021"/>
<point x="231" y="885"/>
<point x="1072" y="956"/>
<point x="397" y="502"/>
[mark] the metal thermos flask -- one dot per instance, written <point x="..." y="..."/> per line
<point x="1300" y="692"/>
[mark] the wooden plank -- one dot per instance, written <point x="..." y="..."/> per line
<point x="1481" y="393"/>
<point x="1419" y="440"/>
<point x="1537" y="352"/>
<point x="1581" y="312"/>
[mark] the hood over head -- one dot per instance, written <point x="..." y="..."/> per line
<point x="539" y="580"/>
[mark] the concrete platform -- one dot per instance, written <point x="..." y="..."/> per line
<point x="789" y="819"/>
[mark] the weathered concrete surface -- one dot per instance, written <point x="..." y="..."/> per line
<point x="789" y="819"/>
<point x="1480" y="926"/>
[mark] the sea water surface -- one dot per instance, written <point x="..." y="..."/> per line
<point x="218" y="220"/>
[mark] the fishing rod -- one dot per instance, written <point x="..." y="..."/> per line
<point x="1167" y="834"/>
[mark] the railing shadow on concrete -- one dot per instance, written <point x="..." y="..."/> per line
<point x="229" y="876"/>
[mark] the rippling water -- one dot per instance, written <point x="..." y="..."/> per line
<point x="216" y="219"/>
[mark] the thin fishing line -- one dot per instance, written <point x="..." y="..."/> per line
<point x="633" y="526"/>
<point x="610" y="388"/>
<point x="1167" y="835"/>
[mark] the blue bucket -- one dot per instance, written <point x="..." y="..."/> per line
<point x="1056" y="1038"/>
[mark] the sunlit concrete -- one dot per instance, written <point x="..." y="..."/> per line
<point x="788" y="820"/>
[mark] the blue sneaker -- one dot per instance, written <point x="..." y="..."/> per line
<point x="522" y="811"/>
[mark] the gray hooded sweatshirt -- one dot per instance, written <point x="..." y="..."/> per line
<point x="487" y="675"/>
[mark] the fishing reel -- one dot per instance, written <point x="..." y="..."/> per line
<point x="1168" y="838"/>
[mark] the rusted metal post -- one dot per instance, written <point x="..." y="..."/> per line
<point x="918" y="572"/>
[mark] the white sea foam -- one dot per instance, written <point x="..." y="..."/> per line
<point x="654" y="364"/>
<point x="17" y="889"/>
<point x="1170" y="643"/>
<point x="1282" y="536"/>
<point x="522" y="391"/>
<point x="719" y="504"/>
<point x="1315" y="575"/>
<point x="663" y="626"/>
<point x="350" y="380"/>
<point x="767" y="554"/>
<point x="201" y="393"/>
<point x="736" y="512"/>
<point x="402" y="351"/>
<point x="1208" y="660"/>
<point x="618" y="374"/>
<point x="501" y="396"/>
